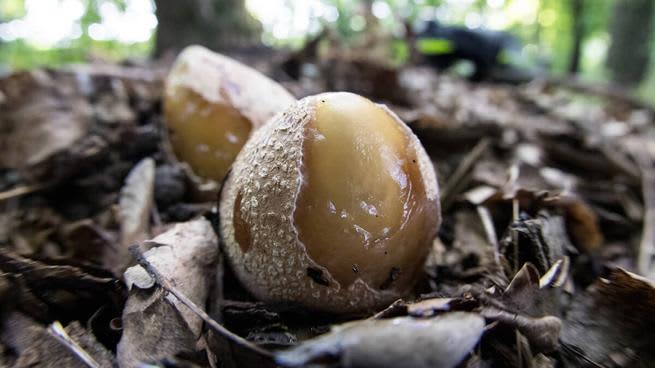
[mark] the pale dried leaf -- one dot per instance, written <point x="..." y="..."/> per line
<point x="157" y="325"/>
<point x="442" y="341"/>
<point x="136" y="202"/>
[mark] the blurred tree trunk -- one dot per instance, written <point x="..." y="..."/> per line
<point x="577" y="12"/>
<point x="217" y="24"/>
<point x="630" y="29"/>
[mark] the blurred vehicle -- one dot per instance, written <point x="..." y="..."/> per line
<point x="494" y="55"/>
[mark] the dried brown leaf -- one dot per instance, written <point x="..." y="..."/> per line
<point x="34" y="346"/>
<point x="612" y="323"/>
<point x="157" y="325"/>
<point x="57" y="113"/>
<point x="50" y="290"/>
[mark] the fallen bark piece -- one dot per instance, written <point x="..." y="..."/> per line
<point x="157" y="325"/>
<point x="399" y="342"/>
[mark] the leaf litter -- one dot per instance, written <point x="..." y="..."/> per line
<point x="547" y="199"/>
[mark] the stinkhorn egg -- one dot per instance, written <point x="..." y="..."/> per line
<point x="333" y="204"/>
<point x="211" y="106"/>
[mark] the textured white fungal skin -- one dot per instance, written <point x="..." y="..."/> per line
<point x="268" y="174"/>
<point x="222" y="80"/>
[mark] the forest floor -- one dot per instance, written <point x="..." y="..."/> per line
<point x="548" y="201"/>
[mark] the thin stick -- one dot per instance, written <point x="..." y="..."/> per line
<point x="647" y="246"/>
<point x="57" y="331"/>
<point x="514" y="233"/>
<point x="490" y="231"/>
<point x="21" y="190"/>
<point x="166" y="285"/>
<point x="450" y="188"/>
<point x="580" y="355"/>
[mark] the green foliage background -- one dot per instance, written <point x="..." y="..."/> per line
<point x="20" y="54"/>
<point x="547" y="38"/>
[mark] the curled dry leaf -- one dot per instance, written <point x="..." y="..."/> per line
<point x="525" y="295"/>
<point x="542" y="240"/>
<point x="542" y="333"/>
<point x="442" y="341"/>
<point x="582" y="223"/>
<point x="156" y="325"/>
<point x="612" y="323"/>
<point x="136" y="202"/>
<point x="134" y="207"/>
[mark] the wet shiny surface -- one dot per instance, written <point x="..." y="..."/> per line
<point x="207" y="136"/>
<point x="362" y="210"/>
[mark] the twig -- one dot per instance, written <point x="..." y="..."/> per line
<point x="490" y="231"/>
<point x="166" y="285"/>
<point x="574" y="351"/>
<point x="647" y="246"/>
<point x="511" y="187"/>
<point x="450" y="188"/>
<point x="514" y="233"/>
<point x="21" y="190"/>
<point x="57" y="331"/>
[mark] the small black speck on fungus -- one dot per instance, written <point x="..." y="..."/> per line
<point x="316" y="274"/>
